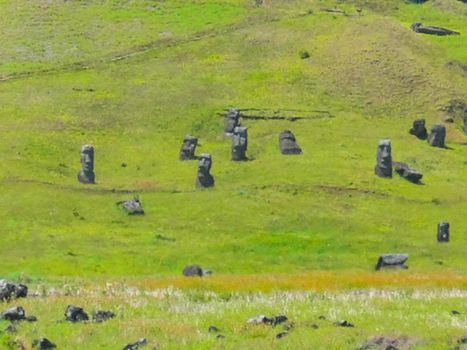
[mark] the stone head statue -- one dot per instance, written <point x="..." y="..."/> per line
<point x="443" y="232"/>
<point x="419" y="129"/>
<point x="288" y="143"/>
<point x="187" y="152"/>
<point x="231" y="120"/>
<point x="86" y="175"/>
<point x="239" y="143"/>
<point x="384" y="159"/>
<point x="204" y="178"/>
<point x="437" y="137"/>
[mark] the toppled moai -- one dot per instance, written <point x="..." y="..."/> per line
<point x="132" y="206"/>
<point x="419" y="129"/>
<point x="75" y="314"/>
<point x="10" y="290"/>
<point x="407" y="172"/>
<point x="231" y="121"/>
<point x="288" y="143"/>
<point x="195" y="270"/>
<point x="136" y="345"/>
<point x="420" y="28"/>
<point x="86" y="174"/>
<point x="240" y="143"/>
<point x="187" y="152"/>
<point x="392" y="261"/>
<point x="437" y="137"/>
<point x="384" y="159"/>
<point x="204" y="179"/>
<point x="443" y="232"/>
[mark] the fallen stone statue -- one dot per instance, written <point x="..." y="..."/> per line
<point x="420" y="28"/>
<point x="195" y="271"/>
<point x="132" y="206"/>
<point x="392" y="261"/>
<point x="407" y="172"/>
<point x="10" y="290"/>
<point x="75" y="314"/>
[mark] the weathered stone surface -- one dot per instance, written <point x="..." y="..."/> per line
<point x="132" y="207"/>
<point x="420" y="28"/>
<point x="231" y="120"/>
<point x="394" y="261"/>
<point x="443" y="232"/>
<point x="187" y="152"/>
<point x="43" y="344"/>
<point x="75" y="314"/>
<point x="239" y="143"/>
<point x="437" y="137"/>
<point x="10" y="290"/>
<point x="407" y="172"/>
<point x="102" y="316"/>
<point x="384" y="159"/>
<point x="418" y="129"/>
<point x="204" y="179"/>
<point x="136" y="345"/>
<point x="193" y="270"/>
<point x="14" y="314"/>
<point x="86" y="174"/>
<point x="288" y="143"/>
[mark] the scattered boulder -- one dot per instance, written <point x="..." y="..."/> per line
<point x="392" y="261"/>
<point x="443" y="232"/>
<point x="418" y="129"/>
<point x="14" y="314"/>
<point x="407" y="172"/>
<point x="86" y="174"/>
<point x="136" y="345"/>
<point x="213" y="329"/>
<point x="344" y="323"/>
<point x="462" y="340"/>
<point x="132" y="206"/>
<point x="288" y="143"/>
<point x="281" y="335"/>
<point x="204" y="179"/>
<point x="31" y="319"/>
<point x="102" y="316"/>
<point x="240" y="143"/>
<point x="383" y="166"/>
<point x="43" y="344"/>
<point x="448" y="119"/>
<point x="75" y="314"/>
<point x="11" y="328"/>
<point x="437" y="137"/>
<point x="187" y="152"/>
<point x="193" y="270"/>
<point x="304" y="54"/>
<point x="262" y="319"/>
<point x="231" y="121"/>
<point x="420" y="28"/>
<point x="455" y="312"/>
<point x="10" y="290"/>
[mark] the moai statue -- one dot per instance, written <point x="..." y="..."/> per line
<point x="132" y="206"/>
<point x="419" y="129"/>
<point x="288" y="143"/>
<point x="392" y="261"/>
<point x="86" y="174"/>
<point x="437" y="137"/>
<point x="464" y="117"/>
<point x="407" y="172"/>
<point x="187" y="152"/>
<point x="443" y="232"/>
<point x="384" y="159"/>
<point x="240" y="143"/>
<point x="204" y="178"/>
<point x="231" y="121"/>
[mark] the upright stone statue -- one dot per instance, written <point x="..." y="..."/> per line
<point x="443" y="232"/>
<point x="437" y="137"/>
<point x="86" y="174"/>
<point x="384" y="159"/>
<point x="187" y="152"/>
<point x="288" y="143"/>
<point x="240" y="143"/>
<point x="204" y="178"/>
<point x="419" y="129"/>
<point x="231" y="121"/>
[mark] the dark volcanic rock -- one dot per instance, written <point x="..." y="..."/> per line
<point x="187" y="152"/>
<point x="387" y="343"/>
<point x="273" y="321"/>
<point x="75" y="314"/>
<point x="101" y="316"/>
<point x="43" y="344"/>
<point x="443" y="232"/>
<point x="86" y="174"/>
<point x="392" y="261"/>
<point x="418" y="129"/>
<point x="437" y="137"/>
<point x="10" y="290"/>
<point x="231" y="121"/>
<point x="420" y="28"/>
<point x="383" y="166"/>
<point x="136" y="345"/>
<point x="407" y="172"/>
<point x="132" y="207"/>
<point x="193" y="270"/>
<point x="344" y="323"/>
<point x="281" y="335"/>
<point x="204" y="179"/>
<point x="213" y="329"/>
<point x="288" y="143"/>
<point x="14" y="314"/>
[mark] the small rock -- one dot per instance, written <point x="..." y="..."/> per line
<point x="322" y="318"/>
<point x="304" y="54"/>
<point x="278" y="320"/>
<point x="462" y="340"/>
<point x="213" y="329"/>
<point x="43" y="344"/>
<point x="455" y="312"/>
<point x="281" y="335"/>
<point x="193" y="270"/>
<point x="101" y="316"/>
<point x="10" y="290"/>
<point x="138" y="344"/>
<point x="11" y="329"/>
<point x="31" y="318"/>
<point x="132" y="207"/>
<point x="220" y="336"/>
<point x="260" y="319"/>
<point x="14" y="314"/>
<point x="344" y="323"/>
<point x="448" y="119"/>
<point x="314" y="326"/>
<point x="75" y="314"/>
